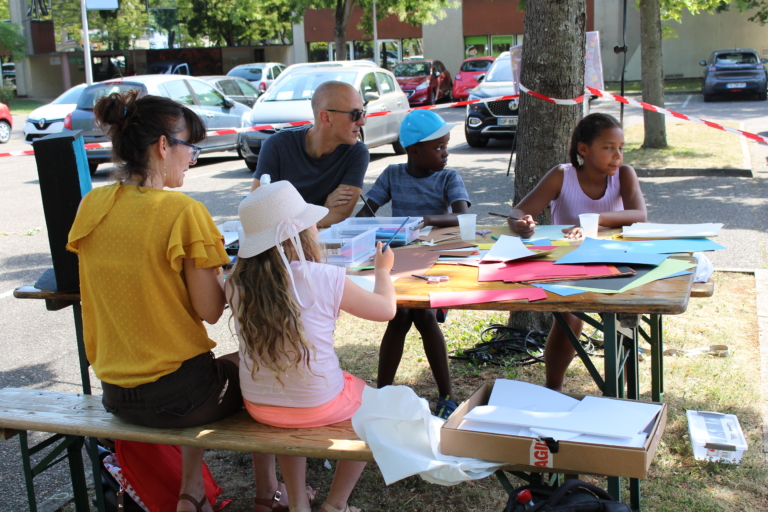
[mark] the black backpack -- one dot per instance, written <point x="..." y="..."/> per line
<point x="573" y="496"/>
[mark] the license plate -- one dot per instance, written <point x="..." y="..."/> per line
<point x="736" y="85"/>
<point x="507" y="121"/>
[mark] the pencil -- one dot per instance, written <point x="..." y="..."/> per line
<point x="373" y="214"/>
<point x="505" y="216"/>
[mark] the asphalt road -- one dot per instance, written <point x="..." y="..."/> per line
<point x="38" y="346"/>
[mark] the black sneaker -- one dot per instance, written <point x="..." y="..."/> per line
<point x="445" y="407"/>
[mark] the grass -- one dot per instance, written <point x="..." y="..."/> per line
<point x="675" y="482"/>
<point x="679" y="85"/>
<point x="24" y="105"/>
<point x="690" y="145"/>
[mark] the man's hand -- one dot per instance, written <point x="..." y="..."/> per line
<point x="339" y="197"/>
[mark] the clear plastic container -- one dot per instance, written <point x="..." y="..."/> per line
<point x="386" y="227"/>
<point x="348" y="246"/>
<point x="716" y="437"/>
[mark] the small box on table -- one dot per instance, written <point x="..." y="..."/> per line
<point x="348" y="246"/>
<point x="386" y="227"/>
<point x="531" y="454"/>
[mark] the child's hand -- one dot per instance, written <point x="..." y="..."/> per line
<point x="525" y="227"/>
<point x="384" y="260"/>
<point x="574" y="232"/>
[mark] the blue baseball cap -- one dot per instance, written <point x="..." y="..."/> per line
<point x="422" y="125"/>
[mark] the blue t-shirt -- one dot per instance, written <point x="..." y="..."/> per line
<point x="284" y="157"/>
<point x="413" y="197"/>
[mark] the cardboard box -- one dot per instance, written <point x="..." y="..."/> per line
<point x="530" y="454"/>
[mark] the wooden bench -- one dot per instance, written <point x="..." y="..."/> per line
<point x="703" y="289"/>
<point x="83" y="415"/>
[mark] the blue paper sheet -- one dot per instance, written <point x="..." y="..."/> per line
<point x="538" y="242"/>
<point x="673" y="246"/>
<point x="593" y="250"/>
<point x="551" y="232"/>
<point x="559" y="290"/>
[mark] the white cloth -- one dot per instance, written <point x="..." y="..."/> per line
<point x="405" y="439"/>
<point x="704" y="268"/>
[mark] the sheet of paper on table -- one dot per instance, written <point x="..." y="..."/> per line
<point x="367" y="282"/>
<point x="666" y="269"/>
<point x="652" y="230"/>
<point x="673" y="246"/>
<point x="552" y="232"/>
<point x="450" y="299"/>
<point x="508" y="248"/>
<point x="593" y="250"/>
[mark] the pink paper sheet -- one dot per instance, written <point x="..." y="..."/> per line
<point x="449" y="299"/>
<point x="527" y="270"/>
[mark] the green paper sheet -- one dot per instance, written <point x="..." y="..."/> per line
<point x="666" y="268"/>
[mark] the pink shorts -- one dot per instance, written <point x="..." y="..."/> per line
<point x="340" y="408"/>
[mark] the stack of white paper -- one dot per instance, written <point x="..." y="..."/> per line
<point x="523" y="409"/>
<point x="650" y="230"/>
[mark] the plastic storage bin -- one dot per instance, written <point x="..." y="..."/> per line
<point x="348" y="246"/>
<point x="716" y="437"/>
<point x="386" y="227"/>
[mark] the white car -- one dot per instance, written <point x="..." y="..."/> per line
<point x="289" y="101"/>
<point x="303" y="66"/>
<point x="260" y="74"/>
<point x="49" y="118"/>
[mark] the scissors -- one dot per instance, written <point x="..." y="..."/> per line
<point x="432" y="279"/>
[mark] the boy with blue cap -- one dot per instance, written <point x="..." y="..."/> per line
<point x="421" y="187"/>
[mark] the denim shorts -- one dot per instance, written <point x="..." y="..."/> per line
<point x="204" y="389"/>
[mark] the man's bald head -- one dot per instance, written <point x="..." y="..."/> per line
<point x="332" y="95"/>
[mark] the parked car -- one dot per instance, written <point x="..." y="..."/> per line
<point x="289" y="102"/>
<point x="50" y="118"/>
<point x="734" y="71"/>
<point x="168" y="67"/>
<point x="494" y="119"/>
<point x="425" y="82"/>
<point x="238" y="89"/>
<point x="6" y="123"/>
<point x="466" y="78"/>
<point x="303" y="66"/>
<point x="8" y="73"/>
<point x="260" y="74"/>
<point x="215" y="109"/>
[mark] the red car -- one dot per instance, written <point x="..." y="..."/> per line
<point x="466" y="78"/>
<point x="6" y="123"/>
<point x="424" y="81"/>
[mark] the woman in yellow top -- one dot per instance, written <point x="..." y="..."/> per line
<point x="149" y="272"/>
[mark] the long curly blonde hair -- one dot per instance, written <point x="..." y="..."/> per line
<point x="267" y="314"/>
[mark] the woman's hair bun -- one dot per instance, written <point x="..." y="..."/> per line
<point x="116" y="111"/>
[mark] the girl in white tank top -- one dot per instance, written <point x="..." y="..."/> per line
<point x="595" y="181"/>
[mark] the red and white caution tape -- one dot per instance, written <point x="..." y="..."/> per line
<point x="575" y="101"/>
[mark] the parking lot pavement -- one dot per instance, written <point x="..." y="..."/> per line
<point x="39" y="348"/>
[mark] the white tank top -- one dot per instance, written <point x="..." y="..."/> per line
<point x="572" y="200"/>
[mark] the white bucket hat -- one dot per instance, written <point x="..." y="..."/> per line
<point x="272" y="214"/>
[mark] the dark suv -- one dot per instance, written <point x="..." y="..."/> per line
<point x="734" y="71"/>
<point x="494" y="119"/>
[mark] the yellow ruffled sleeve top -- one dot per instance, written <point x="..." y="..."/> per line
<point x="138" y="320"/>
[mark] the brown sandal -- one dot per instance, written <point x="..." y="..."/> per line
<point x="273" y="504"/>
<point x="198" y="504"/>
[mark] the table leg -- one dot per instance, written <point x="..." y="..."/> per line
<point x="612" y="351"/>
<point x="657" y="358"/>
<point x="579" y="349"/>
<point x="631" y="366"/>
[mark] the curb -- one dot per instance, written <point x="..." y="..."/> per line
<point x="668" y="172"/>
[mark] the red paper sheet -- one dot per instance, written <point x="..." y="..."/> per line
<point x="449" y="299"/>
<point x="529" y="270"/>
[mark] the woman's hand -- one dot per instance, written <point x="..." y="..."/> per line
<point x="574" y="232"/>
<point x="384" y="260"/>
<point x="525" y="227"/>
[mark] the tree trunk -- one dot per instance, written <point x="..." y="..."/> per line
<point x="341" y="17"/>
<point x="553" y="65"/>
<point x="652" y="73"/>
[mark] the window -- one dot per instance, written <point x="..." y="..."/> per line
<point x="475" y="46"/>
<point x="278" y="69"/>
<point x="249" y="91"/>
<point x="270" y="74"/>
<point x="318" y="52"/>
<point x="93" y="93"/>
<point x="369" y="84"/>
<point x="301" y="86"/>
<point x="476" y="65"/>
<point x="501" y="71"/>
<point x="500" y="44"/>
<point x="253" y="74"/>
<point x="386" y="83"/>
<point x="207" y="95"/>
<point x="736" y="58"/>
<point x="178" y="91"/>
<point x="412" y="48"/>
<point x="411" y="69"/>
<point x="228" y="87"/>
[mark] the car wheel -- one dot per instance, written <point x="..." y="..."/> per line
<point x="762" y="96"/>
<point x="431" y="100"/>
<point x="399" y="149"/>
<point x="251" y="165"/>
<point x="5" y="132"/>
<point x="475" y="140"/>
<point x="93" y="167"/>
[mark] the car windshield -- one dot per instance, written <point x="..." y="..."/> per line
<point x="730" y="59"/>
<point x="411" y="69"/>
<point x="92" y="94"/>
<point x="302" y="86"/>
<point x="501" y="71"/>
<point x="71" y="96"/>
<point x="476" y="65"/>
<point x="252" y="74"/>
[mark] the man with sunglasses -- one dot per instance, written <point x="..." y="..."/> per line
<point x="325" y="162"/>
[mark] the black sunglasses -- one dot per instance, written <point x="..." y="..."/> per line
<point x="195" y="149"/>
<point x="355" y="115"/>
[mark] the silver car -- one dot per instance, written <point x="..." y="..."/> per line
<point x="216" y="110"/>
<point x="289" y="101"/>
<point x="260" y="74"/>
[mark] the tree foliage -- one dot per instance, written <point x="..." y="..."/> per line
<point x="11" y="40"/>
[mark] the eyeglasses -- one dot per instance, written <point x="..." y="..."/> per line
<point x="195" y="149"/>
<point x="355" y="115"/>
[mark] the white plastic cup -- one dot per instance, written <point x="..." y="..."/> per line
<point x="588" y="223"/>
<point x="467" y="226"/>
